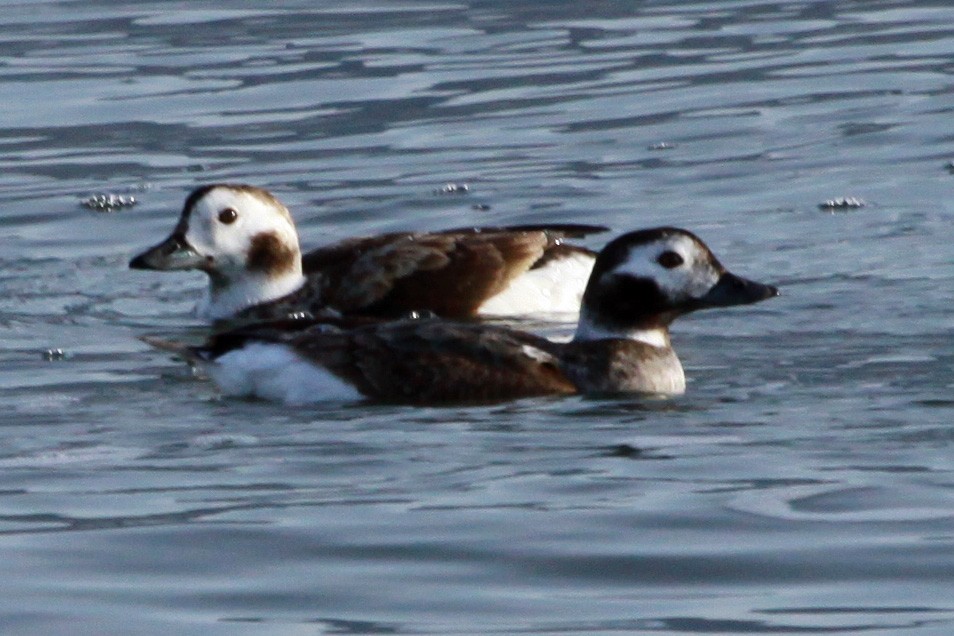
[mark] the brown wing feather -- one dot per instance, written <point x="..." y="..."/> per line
<point x="343" y="254"/>
<point x="437" y="361"/>
<point x="448" y="274"/>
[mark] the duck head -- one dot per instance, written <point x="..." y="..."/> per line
<point x="242" y="237"/>
<point x="644" y="280"/>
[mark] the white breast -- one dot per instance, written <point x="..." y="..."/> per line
<point x="556" y="287"/>
<point x="275" y="372"/>
<point x="244" y="293"/>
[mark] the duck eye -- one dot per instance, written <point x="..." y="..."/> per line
<point x="670" y="260"/>
<point x="228" y="216"/>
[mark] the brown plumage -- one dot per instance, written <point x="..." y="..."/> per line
<point x="415" y="361"/>
<point x="450" y="273"/>
<point x="432" y="361"/>
<point x="269" y="255"/>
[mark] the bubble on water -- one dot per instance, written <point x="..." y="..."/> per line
<point x="453" y="188"/>
<point x="54" y="353"/>
<point x="842" y="203"/>
<point x="107" y="202"/>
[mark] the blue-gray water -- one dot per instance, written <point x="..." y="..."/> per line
<point x="803" y="485"/>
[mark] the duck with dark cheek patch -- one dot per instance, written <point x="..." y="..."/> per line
<point x="271" y="256"/>
<point x="246" y="241"/>
<point x="641" y="282"/>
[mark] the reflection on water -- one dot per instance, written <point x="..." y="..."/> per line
<point x="803" y="483"/>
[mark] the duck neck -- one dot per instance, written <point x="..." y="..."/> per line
<point x="226" y="297"/>
<point x="652" y="334"/>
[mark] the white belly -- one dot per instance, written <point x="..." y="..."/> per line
<point x="274" y="372"/>
<point x="556" y="287"/>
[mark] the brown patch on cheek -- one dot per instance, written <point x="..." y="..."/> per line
<point x="269" y="255"/>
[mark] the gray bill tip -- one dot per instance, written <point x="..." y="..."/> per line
<point x="735" y="290"/>
<point x="173" y="253"/>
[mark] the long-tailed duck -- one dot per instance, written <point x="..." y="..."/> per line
<point x="641" y="282"/>
<point x="245" y="240"/>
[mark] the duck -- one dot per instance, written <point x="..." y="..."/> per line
<point x="244" y="239"/>
<point x="640" y="283"/>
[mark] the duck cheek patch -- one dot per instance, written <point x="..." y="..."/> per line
<point x="268" y="254"/>
<point x="628" y="301"/>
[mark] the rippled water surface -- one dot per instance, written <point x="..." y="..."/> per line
<point x="804" y="484"/>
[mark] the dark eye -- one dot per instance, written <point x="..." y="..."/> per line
<point x="228" y="216"/>
<point x="670" y="260"/>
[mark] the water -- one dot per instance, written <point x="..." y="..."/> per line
<point x="802" y="485"/>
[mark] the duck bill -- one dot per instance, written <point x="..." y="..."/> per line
<point x="734" y="290"/>
<point x="173" y="253"/>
